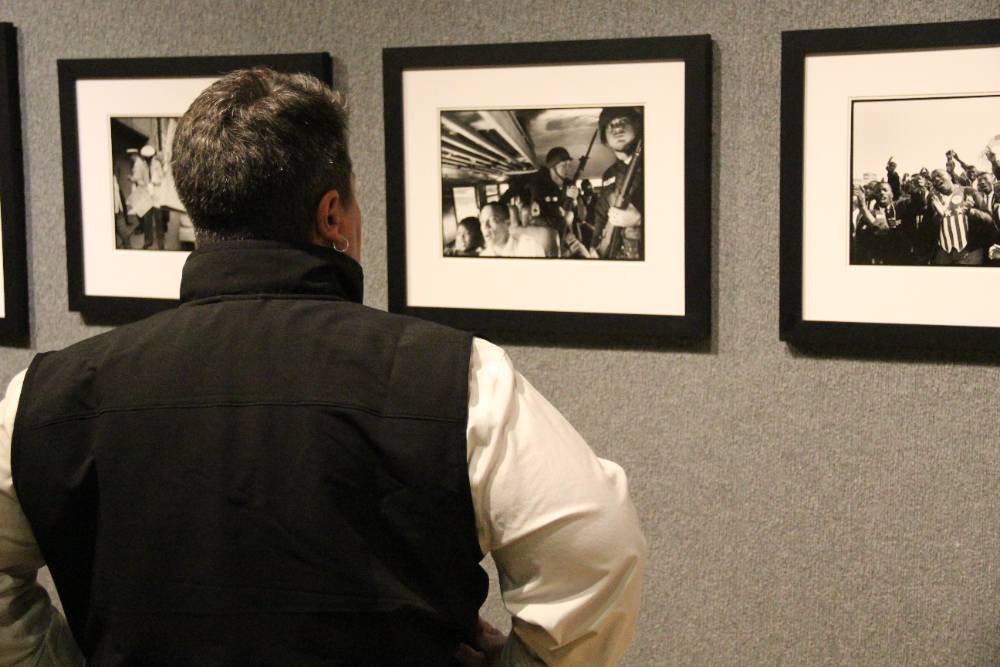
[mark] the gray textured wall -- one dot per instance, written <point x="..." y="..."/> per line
<point x="799" y="509"/>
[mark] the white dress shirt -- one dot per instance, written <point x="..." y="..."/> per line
<point x="557" y="519"/>
<point x="516" y="246"/>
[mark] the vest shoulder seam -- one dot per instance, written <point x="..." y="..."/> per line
<point x="90" y="414"/>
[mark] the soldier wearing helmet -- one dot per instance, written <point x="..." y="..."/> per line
<point x="620" y="129"/>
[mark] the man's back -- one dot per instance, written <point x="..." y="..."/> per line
<point x="274" y="475"/>
<point x="290" y="463"/>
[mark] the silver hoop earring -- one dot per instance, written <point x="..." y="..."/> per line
<point x="347" y="244"/>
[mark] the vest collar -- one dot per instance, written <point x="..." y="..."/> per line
<point x="269" y="267"/>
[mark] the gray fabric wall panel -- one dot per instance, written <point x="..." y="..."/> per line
<point x="799" y="509"/>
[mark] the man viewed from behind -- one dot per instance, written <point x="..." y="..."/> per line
<point x="274" y="474"/>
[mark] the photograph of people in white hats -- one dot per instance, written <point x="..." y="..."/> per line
<point x="148" y="213"/>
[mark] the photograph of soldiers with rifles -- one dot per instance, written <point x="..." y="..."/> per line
<point x="560" y="183"/>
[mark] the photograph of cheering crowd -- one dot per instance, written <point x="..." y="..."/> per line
<point x="148" y="213"/>
<point x="932" y="200"/>
<point x="559" y="183"/>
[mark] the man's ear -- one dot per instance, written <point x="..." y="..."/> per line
<point x="328" y="226"/>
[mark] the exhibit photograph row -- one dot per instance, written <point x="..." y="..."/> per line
<point x="564" y="188"/>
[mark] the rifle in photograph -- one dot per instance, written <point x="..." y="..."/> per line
<point x="622" y="199"/>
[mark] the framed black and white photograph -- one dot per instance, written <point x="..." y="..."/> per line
<point x="890" y="216"/>
<point x="490" y="154"/>
<point x="127" y="233"/>
<point x="14" y="329"/>
<point x="556" y="188"/>
<point x="148" y="213"/>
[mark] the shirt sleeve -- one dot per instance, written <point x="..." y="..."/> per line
<point x="558" y="520"/>
<point x="32" y="632"/>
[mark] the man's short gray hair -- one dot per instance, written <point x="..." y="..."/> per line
<point x="255" y="153"/>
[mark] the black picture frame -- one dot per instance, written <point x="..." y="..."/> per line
<point x="134" y="72"/>
<point x="543" y="321"/>
<point x="884" y="330"/>
<point x="14" y="325"/>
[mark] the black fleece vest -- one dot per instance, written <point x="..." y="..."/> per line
<point x="270" y="474"/>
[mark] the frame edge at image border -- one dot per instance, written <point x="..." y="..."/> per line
<point x="696" y="53"/>
<point x="14" y="326"/>
<point x="796" y="47"/>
